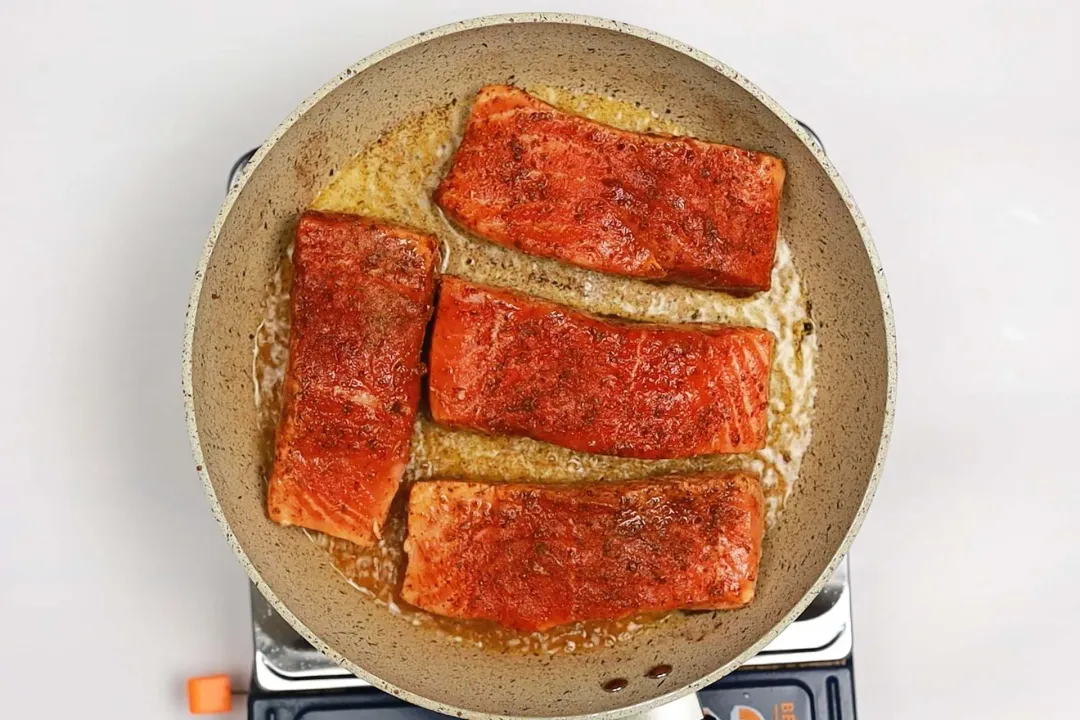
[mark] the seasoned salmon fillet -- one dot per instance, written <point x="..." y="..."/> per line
<point x="532" y="557"/>
<point x="361" y="299"/>
<point x="677" y="209"/>
<point x="511" y="364"/>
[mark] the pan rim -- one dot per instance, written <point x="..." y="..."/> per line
<point x="593" y="22"/>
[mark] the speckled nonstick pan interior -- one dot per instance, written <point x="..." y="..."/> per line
<point x="833" y="252"/>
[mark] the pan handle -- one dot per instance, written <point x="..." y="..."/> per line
<point x="688" y="707"/>
<point x="813" y="135"/>
<point x="238" y="167"/>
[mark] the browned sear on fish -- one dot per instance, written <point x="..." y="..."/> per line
<point x="506" y="363"/>
<point x="361" y="299"/>
<point x="554" y="184"/>
<point x="532" y="556"/>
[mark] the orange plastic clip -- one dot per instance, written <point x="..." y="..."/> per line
<point x="209" y="694"/>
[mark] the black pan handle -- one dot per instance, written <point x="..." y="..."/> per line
<point x="813" y="135"/>
<point x="238" y="167"/>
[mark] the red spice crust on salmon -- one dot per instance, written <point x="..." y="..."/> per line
<point x="529" y="176"/>
<point x="505" y="363"/>
<point x="361" y="300"/>
<point x="532" y="557"/>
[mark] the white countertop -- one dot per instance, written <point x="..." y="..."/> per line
<point x="954" y="123"/>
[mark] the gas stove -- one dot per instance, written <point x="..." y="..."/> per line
<point x="805" y="673"/>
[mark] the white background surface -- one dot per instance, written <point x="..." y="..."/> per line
<point x="954" y="124"/>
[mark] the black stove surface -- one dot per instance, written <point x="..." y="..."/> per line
<point x="794" y="693"/>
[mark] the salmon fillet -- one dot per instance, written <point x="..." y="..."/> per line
<point x="511" y="364"/>
<point x="678" y="209"/>
<point x="532" y="557"/>
<point x="361" y="299"/>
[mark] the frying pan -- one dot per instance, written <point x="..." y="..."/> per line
<point x="855" y="373"/>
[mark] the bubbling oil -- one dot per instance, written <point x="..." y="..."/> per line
<point x="393" y="179"/>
